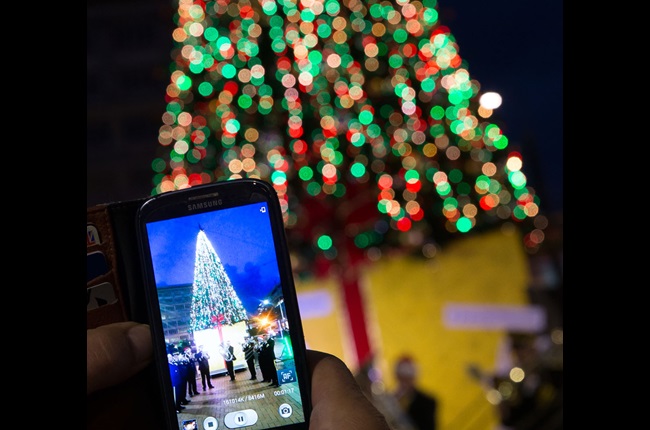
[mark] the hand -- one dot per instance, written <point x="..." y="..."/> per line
<point x="118" y="353"/>
<point x="115" y="353"/>
<point x="121" y="384"/>
<point x="337" y="400"/>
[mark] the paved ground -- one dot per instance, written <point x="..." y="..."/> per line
<point x="240" y="397"/>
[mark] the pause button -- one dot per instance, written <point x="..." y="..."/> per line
<point x="237" y="419"/>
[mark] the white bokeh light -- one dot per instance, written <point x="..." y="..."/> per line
<point x="490" y="100"/>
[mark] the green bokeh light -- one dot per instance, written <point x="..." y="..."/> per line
<point x="205" y="89"/>
<point x="324" y="242"/>
<point x="463" y="224"/>
<point x="357" y="170"/>
<point x="228" y="71"/>
<point x="305" y="173"/>
<point x="184" y="83"/>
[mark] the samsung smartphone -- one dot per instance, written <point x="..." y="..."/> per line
<point x="228" y="339"/>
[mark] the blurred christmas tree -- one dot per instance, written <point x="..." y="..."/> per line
<point x="214" y="300"/>
<point x="363" y="116"/>
<point x="361" y="113"/>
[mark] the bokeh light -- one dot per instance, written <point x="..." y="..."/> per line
<point x="362" y="114"/>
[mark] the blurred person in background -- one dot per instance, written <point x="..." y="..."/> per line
<point x="529" y="383"/>
<point x="420" y="407"/>
<point x="534" y="398"/>
<point x="370" y="381"/>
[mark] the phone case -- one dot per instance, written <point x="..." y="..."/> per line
<point x="111" y="231"/>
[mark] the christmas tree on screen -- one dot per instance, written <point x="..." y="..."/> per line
<point x="214" y="300"/>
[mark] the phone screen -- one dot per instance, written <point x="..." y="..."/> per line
<point x="233" y="347"/>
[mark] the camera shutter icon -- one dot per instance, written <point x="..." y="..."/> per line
<point x="285" y="410"/>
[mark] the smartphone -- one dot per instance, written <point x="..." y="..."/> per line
<point x="219" y="283"/>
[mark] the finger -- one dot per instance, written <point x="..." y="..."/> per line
<point x="115" y="352"/>
<point x="337" y="400"/>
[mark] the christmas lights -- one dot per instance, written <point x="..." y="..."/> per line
<point x="363" y="116"/>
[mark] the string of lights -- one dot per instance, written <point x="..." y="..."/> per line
<point x="362" y="114"/>
<point x="214" y="299"/>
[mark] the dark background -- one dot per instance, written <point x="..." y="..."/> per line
<point x="514" y="48"/>
<point x="128" y="56"/>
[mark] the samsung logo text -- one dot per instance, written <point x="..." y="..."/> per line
<point x="204" y="205"/>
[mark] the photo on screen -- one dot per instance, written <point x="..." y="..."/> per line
<point x="222" y="306"/>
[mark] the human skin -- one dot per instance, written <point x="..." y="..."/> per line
<point x="118" y="352"/>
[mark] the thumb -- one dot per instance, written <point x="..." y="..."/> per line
<point x="337" y="400"/>
<point x="115" y="352"/>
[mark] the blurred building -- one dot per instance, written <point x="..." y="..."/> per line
<point x="128" y="54"/>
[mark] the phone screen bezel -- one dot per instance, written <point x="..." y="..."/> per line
<point x="216" y="197"/>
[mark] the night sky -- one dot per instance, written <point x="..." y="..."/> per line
<point x="247" y="254"/>
<point x="516" y="49"/>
